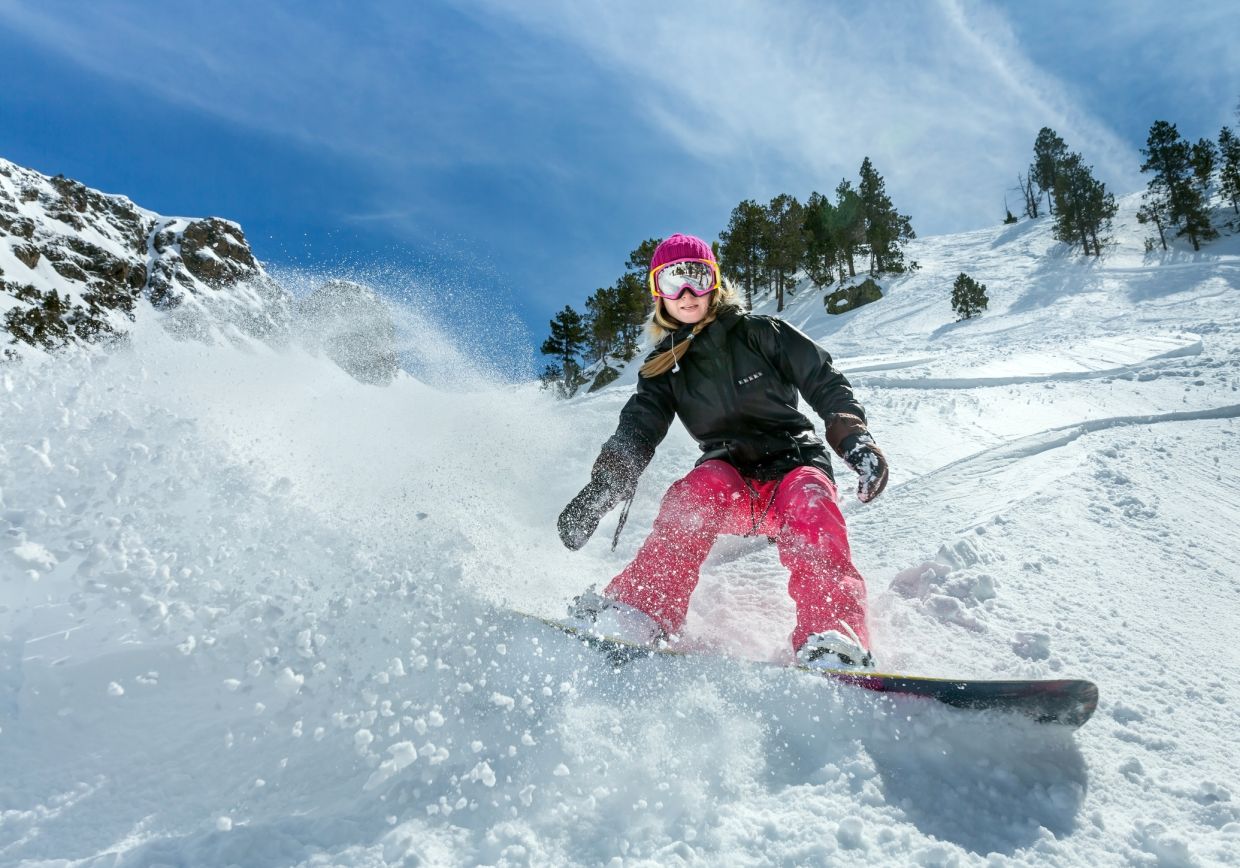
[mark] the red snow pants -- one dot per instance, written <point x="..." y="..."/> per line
<point x="799" y="511"/>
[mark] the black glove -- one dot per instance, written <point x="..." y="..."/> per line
<point x="612" y="479"/>
<point x="852" y="442"/>
<point x="580" y="518"/>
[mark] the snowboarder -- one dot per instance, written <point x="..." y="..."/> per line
<point x="732" y="377"/>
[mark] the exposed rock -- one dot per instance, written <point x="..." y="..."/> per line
<point x="852" y="297"/>
<point x="605" y="377"/>
<point x="106" y="253"/>
<point x="215" y="251"/>
<point x="351" y="325"/>
<point x="13" y="224"/>
<point x="27" y="254"/>
<point x="50" y="320"/>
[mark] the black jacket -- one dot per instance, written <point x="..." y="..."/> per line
<point x="736" y="393"/>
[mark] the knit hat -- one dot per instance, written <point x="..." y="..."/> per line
<point x="677" y="247"/>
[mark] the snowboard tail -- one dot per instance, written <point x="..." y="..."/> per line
<point x="1066" y="701"/>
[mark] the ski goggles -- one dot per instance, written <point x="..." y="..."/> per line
<point x="671" y="281"/>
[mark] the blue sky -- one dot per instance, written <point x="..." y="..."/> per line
<point x="507" y="155"/>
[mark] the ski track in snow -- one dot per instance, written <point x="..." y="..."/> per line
<point x="254" y="613"/>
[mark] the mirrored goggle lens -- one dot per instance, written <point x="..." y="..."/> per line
<point x="698" y="277"/>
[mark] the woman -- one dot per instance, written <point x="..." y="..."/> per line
<point x="732" y="378"/>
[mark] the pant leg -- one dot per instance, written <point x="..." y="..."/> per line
<point x="813" y="545"/>
<point x="712" y="499"/>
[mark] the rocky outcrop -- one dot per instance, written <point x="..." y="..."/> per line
<point x="351" y="325"/>
<point x="75" y="262"/>
<point x="852" y="297"/>
<point x="605" y="377"/>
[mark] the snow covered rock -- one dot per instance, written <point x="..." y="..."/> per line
<point x="75" y="263"/>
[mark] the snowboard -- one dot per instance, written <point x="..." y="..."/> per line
<point x="1067" y="701"/>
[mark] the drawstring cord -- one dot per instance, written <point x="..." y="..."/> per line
<point x="757" y="522"/>
<point x="624" y="516"/>
<point x="676" y="358"/>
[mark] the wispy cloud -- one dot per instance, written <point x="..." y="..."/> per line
<point x="793" y="95"/>
<point x="373" y="83"/>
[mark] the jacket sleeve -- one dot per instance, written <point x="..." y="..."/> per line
<point x="808" y="366"/>
<point x="644" y="422"/>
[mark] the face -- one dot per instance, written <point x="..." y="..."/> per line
<point x="688" y="309"/>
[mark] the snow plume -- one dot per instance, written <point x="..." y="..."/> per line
<point x="452" y="334"/>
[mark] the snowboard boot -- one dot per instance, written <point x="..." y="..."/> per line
<point x="611" y="619"/>
<point x="832" y="649"/>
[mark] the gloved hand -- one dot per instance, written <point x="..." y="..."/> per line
<point x="612" y="480"/>
<point x="580" y="518"/>
<point x="851" y="441"/>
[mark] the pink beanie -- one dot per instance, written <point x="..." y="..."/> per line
<point x="679" y="247"/>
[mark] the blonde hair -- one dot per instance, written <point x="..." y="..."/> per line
<point x="661" y="324"/>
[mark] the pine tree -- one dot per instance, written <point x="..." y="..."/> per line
<point x="552" y="377"/>
<point x="1203" y="158"/>
<point x="848" y="227"/>
<point x="741" y="252"/>
<point x="1169" y="157"/>
<point x="633" y="288"/>
<point x="615" y="314"/>
<point x="1099" y="208"/>
<point x="1153" y="210"/>
<point x="568" y="337"/>
<point x="968" y="297"/>
<point x="1048" y="152"/>
<point x="603" y="325"/>
<point x="1069" y="226"/>
<point x="633" y="298"/>
<point x="821" y="247"/>
<point x="785" y="243"/>
<point x="1083" y="206"/>
<point x="1229" y="170"/>
<point x="639" y="258"/>
<point x="885" y="230"/>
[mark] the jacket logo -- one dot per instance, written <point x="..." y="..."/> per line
<point x="749" y="379"/>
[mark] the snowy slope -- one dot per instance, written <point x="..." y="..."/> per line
<point x="254" y="612"/>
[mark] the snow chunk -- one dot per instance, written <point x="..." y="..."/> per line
<point x="505" y="702"/>
<point x="34" y="555"/>
<point x="1032" y="646"/>
<point x="403" y="754"/>
<point x="289" y="682"/>
<point x="920" y="580"/>
<point x="305" y="643"/>
<point x="1168" y="848"/>
<point x="483" y="773"/>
